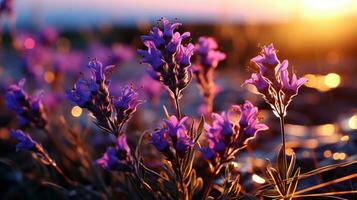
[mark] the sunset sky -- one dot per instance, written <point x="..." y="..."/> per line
<point x="74" y="13"/>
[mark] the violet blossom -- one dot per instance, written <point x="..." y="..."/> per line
<point x="226" y="136"/>
<point x="24" y="141"/>
<point x="29" y="109"/>
<point x="172" y="138"/>
<point x="208" y="59"/>
<point x="117" y="158"/>
<point x="126" y="103"/>
<point x="273" y="82"/>
<point x="163" y="44"/>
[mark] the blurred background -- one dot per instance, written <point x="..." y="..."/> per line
<point x="50" y="42"/>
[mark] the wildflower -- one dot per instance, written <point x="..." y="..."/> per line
<point x="29" y="109"/>
<point x="289" y="87"/>
<point x="209" y="58"/>
<point x="126" y="103"/>
<point x="100" y="73"/>
<point x="273" y="82"/>
<point x="118" y="157"/>
<point x="163" y="44"/>
<point x="227" y="135"/>
<point x="172" y="138"/>
<point x="206" y="50"/>
<point x="83" y="92"/>
<point x="24" y="141"/>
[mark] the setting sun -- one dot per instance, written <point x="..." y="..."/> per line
<point x="325" y="8"/>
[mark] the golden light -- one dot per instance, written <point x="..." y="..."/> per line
<point x="332" y="80"/>
<point x="289" y="151"/>
<point x="352" y="122"/>
<point x="76" y="111"/>
<point x="317" y="9"/>
<point x="258" y="179"/>
<point x="49" y="76"/>
<point x="339" y="156"/>
<point x="325" y="130"/>
<point x="327" y="153"/>
<point x="317" y="82"/>
<point x="345" y="138"/>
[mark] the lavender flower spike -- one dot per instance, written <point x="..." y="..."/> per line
<point x="273" y="82"/>
<point x="208" y="59"/>
<point x="117" y="158"/>
<point x="163" y="44"/>
<point x="24" y="141"/>
<point x="209" y="56"/>
<point x="28" y="109"/>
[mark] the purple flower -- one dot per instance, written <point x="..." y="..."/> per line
<point x="273" y="81"/>
<point x="209" y="56"/>
<point x="156" y="36"/>
<point x="118" y="157"/>
<point x="159" y="140"/>
<point x="184" y="54"/>
<point x="152" y="56"/>
<point x="24" y="141"/>
<point x="28" y="109"/>
<point x="126" y="103"/>
<point x="208" y="59"/>
<point x="100" y="73"/>
<point x="82" y="92"/>
<point x="289" y="87"/>
<point x="259" y="82"/>
<point x="172" y="137"/>
<point x="163" y="44"/>
<point x="249" y="121"/>
<point x="267" y="60"/>
<point x="174" y="126"/>
<point x="227" y="135"/>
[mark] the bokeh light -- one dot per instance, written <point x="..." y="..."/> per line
<point x="76" y="111"/>
<point x="258" y="179"/>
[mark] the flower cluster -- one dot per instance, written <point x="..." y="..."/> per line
<point x="118" y="157"/>
<point x="273" y="81"/>
<point x="173" y="137"/>
<point x="24" y="141"/>
<point x="28" y="109"/>
<point x="230" y="131"/>
<point x="111" y="113"/>
<point x="168" y="57"/>
<point x="209" y="58"/>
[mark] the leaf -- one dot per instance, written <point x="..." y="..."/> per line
<point x="277" y="180"/>
<point x="293" y="184"/>
<point x="166" y="112"/>
<point x="291" y="165"/>
<point x="199" y="129"/>
<point x="271" y="193"/>
<point x="281" y="163"/>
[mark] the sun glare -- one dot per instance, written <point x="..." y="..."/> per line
<point x="317" y="9"/>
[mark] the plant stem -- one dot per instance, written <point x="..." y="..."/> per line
<point x="177" y="104"/>
<point x="179" y="173"/>
<point x="282" y="129"/>
<point x="210" y="181"/>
